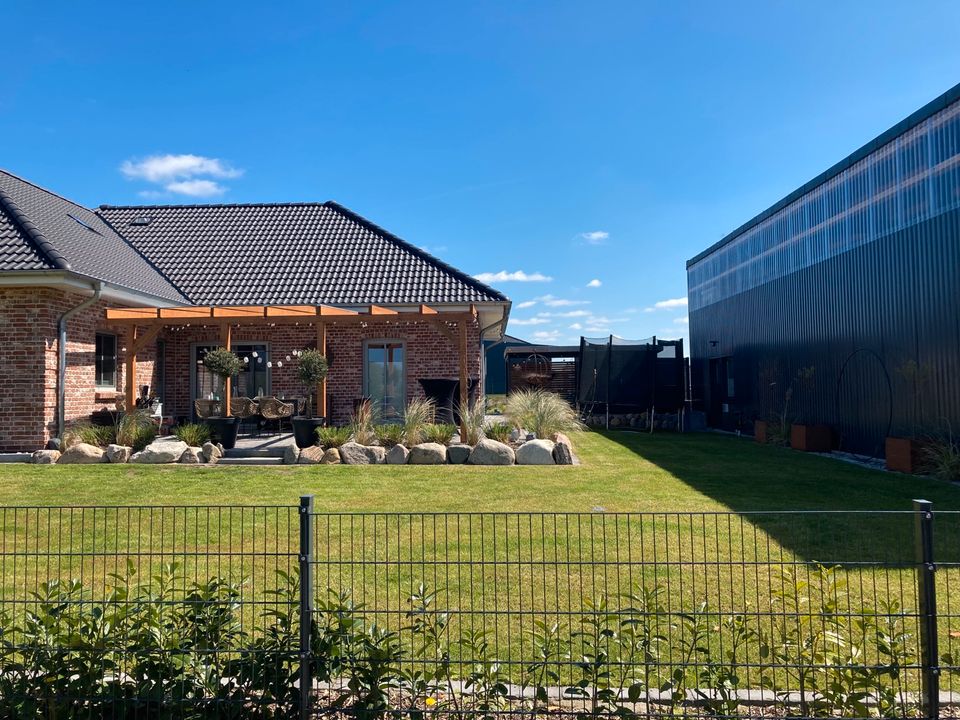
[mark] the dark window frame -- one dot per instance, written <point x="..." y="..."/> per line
<point x="104" y="377"/>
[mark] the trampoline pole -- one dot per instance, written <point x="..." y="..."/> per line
<point x="609" y="368"/>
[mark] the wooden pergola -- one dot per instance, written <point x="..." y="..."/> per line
<point x="146" y="323"/>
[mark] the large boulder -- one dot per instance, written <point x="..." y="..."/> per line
<point x="46" y="457"/>
<point x="331" y="456"/>
<point x="81" y="454"/>
<point x="397" y="455"/>
<point x="562" y="454"/>
<point x="352" y="453"/>
<point x="312" y="455"/>
<point x="159" y="451"/>
<point x="458" y="453"/>
<point x="191" y="456"/>
<point x="561" y="438"/>
<point x="291" y="453"/>
<point x="491" y="452"/>
<point x="428" y="454"/>
<point x="211" y="453"/>
<point x="117" y="453"/>
<point x="536" y="452"/>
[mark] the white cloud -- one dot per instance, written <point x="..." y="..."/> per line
<point x="180" y="174"/>
<point x="515" y="276"/>
<point x="547" y="335"/>
<point x="595" y="237"/>
<point x="595" y="283"/>
<point x="526" y="304"/>
<point x="530" y="321"/>
<point x="576" y="326"/>
<point x="167" y="168"/>
<point x="671" y="304"/>
<point x="551" y="301"/>
<point x="196" y="188"/>
<point x="568" y="314"/>
<point x="682" y="320"/>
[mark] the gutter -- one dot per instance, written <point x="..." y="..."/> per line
<point x="97" y="288"/>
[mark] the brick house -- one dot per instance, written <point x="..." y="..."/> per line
<point x="96" y="305"/>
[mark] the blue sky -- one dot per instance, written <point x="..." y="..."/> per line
<point x="577" y="153"/>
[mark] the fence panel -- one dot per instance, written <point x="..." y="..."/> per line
<point x="200" y="612"/>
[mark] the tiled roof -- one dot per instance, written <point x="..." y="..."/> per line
<point x="290" y="253"/>
<point x="40" y="230"/>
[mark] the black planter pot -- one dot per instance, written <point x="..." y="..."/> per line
<point x="224" y="430"/>
<point x="305" y="430"/>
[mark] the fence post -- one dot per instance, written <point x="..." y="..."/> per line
<point x="927" y="612"/>
<point x="306" y="603"/>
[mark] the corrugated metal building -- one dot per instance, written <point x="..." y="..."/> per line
<point x="842" y="301"/>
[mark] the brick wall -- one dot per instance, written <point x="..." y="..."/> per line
<point x="28" y="364"/>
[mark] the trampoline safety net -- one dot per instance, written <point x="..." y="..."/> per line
<point x="630" y="375"/>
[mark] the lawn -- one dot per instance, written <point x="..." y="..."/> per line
<point x="527" y="558"/>
<point x="621" y="472"/>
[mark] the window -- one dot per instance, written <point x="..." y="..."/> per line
<point x="105" y="360"/>
<point x="384" y="377"/>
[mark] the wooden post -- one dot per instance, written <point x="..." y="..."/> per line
<point x="131" y="378"/>
<point x="464" y="380"/>
<point x="322" y="387"/>
<point x="225" y="336"/>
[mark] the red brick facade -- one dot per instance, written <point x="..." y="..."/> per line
<point x="28" y="361"/>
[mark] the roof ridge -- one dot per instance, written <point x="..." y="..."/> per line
<point x="191" y="206"/>
<point x="409" y="247"/>
<point x="46" y="248"/>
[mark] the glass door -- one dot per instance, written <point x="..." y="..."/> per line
<point x="384" y="377"/>
<point x="251" y="381"/>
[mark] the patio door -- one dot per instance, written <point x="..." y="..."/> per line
<point x="384" y="377"/>
<point x="252" y="380"/>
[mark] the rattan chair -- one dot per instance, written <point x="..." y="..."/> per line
<point x="274" y="410"/>
<point x="208" y="408"/>
<point x="244" y="408"/>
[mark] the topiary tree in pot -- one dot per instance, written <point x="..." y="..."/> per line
<point x="224" y="364"/>
<point x="311" y="370"/>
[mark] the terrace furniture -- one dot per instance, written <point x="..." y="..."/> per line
<point x="208" y="408"/>
<point x="274" y="410"/>
<point x="244" y="408"/>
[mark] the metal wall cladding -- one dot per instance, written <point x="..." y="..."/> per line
<point x="879" y="324"/>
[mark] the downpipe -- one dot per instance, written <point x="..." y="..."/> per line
<point x="97" y="288"/>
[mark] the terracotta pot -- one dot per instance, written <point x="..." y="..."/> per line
<point x="902" y="454"/>
<point x="760" y="431"/>
<point x="811" y="438"/>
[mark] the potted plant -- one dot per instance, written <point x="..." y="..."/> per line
<point x="903" y="453"/>
<point x="311" y="369"/>
<point x="224" y="364"/>
<point x="804" y="436"/>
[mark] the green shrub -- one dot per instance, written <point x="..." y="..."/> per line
<point x="418" y="413"/>
<point x="439" y="433"/>
<point x="499" y="431"/>
<point x="333" y="437"/>
<point x="193" y="434"/>
<point x="85" y="432"/>
<point x="542" y="413"/>
<point x="940" y="458"/>
<point x="389" y="434"/>
<point x="136" y="430"/>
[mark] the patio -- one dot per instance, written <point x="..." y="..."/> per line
<point x="368" y="349"/>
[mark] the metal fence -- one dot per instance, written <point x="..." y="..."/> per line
<point x="230" y="611"/>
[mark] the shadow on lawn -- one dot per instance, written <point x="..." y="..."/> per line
<point x="850" y="513"/>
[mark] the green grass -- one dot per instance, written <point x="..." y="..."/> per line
<point x="622" y="472"/>
<point x="542" y="562"/>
